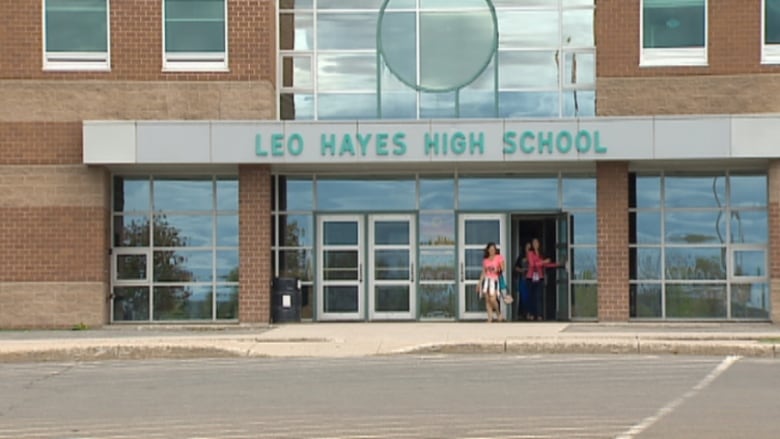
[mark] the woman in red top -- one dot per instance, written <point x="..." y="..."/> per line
<point x="535" y="277"/>
<point x="492" y="267"/>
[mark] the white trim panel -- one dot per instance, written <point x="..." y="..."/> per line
<point x="109" y="143"/>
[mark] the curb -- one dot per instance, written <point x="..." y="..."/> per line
<point x="103" y="353"/>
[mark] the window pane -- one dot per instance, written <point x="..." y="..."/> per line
<point x="194" y="25"/>
<point x="182" y="266"/>
<point x="509" y="193"/>
<point x="76" y="26"/>
<point x="296" y="31"/>
<point x="183" y="194"/>
<point x="584" y="301"/>
<point x="437" y="105"/>
<point x="437" y="265"/>
<point x="578" y="28"/>
<point x="378" y="195"/>
<point x="296" y="194"/>
<point x="297" y="72"/>
<point x="579" y="103"/>
<point x="182" y="230"/>
<point x="750" y="301"/>
<point x="438" y="301"/>
<point x="227" y="302"/>
<point x="131" y="194"/>
<point x="340" y="299"/>
<point x="391" y="265"/>
<point x="345" y="106"/>
<point x="437" y="193"/>
<point x="748" y="190"/>
<point x="528" y="104"/>
<point x="644" y="227"/>
<point x="695" y="191"/>
<point x="398" y="105"/>
<point x="528" y="69"/>
<point x="708" y="227"/>
<point x="644" y="191"/>
<point x="437" y="229"/>
<point x="227" y="231"/>
<point x="131" y="267"/>
<point x="296" y="230"/>
<point x="131" y="304"/>
<point x="772" y="27"/>
<point x="749" y="227"/>
<point x="584" y="225"/>
<point x="477" y="104"/>
<point x="227" y="194"/>
<point x="346" y="72"/>
<point x="346" y="31"/>
<point x="296" y="263"/>
<point x="391" y="233"/>
<point x="749" y="263"/>
<point x="393" y="298"/>
<point x="398" y="43"/>
<point x="645" y="301"/>
<point x="584" y="263"/>
<point x="528" y="29"/>
<point x="340" y="233"/>
<point x="645" y="263"/>
<point x="227" y="265"/>
<point x="696" y="301"/>
<point x="580" y="69"/>
<point x="672" y="24"/>
<point x="296" y="106"/>
<point x="693" y="263"/>
<point x="131" y="231"/>
<point x="183" y="303"/>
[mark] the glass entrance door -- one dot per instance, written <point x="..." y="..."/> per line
<point x="474" y="232"/>
<point x="340" y="267"/>
<point x="563" y="290"/>
<point x="391" y="262"/>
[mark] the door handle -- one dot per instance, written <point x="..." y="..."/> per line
<point x="411" y="273"/>
<point x="360" y="272"/>
<point x="462" y="273"/>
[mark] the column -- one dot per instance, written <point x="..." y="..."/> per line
<point x="254" y="291"/>
<point x="612" y="226"/>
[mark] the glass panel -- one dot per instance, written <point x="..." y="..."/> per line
<point x="699" y="191"/>
<point x="357" y="4"/>
<point x="297" y="106"/>
<point x="695" y="263"/>
<point x="437" y="229"/>
<point x="131" y="231"/>
<point x="473" y="267"/>
<point x="696" y="301"/>
<point x="398" y="105"/>
<point x="297" y="72"/>
<point x="175" y="194"/>
<point x="227" y="302"/>
<point x="131" y="194"/>
<point x="76" y="26"/>
<point x="131" y="267"/>
<point x="749" y="227"/>
<point x="296" y="31"/>
<point x="182" y="266"/>
<point x="437" y="105"/>
<point x="584" y="263"/>
<point x="584" y="224"/>
<point x="645" y="192"/>
<point x="297" y="230"/>
<point x="340" y="298"/>
<point x="645" y="263"/>
<point x="182" y="230"/>
<point x="227" y="194"/>
<point x="195" y="25"/>
<point x="437" y="193"/>
<point x="365" y="195"/>
<point x="748" y="190"/>
<point x="646" y="301"/>
<point x="473" y="302"/>
<point x="670" y="24"/>
<point x="346" y="106"/>
<point x="297" y="264"/>
<point x="296" y="4"/>
<point x="438" y="301"/>
<point x="526" y="29"/>
<point x="749" y="263"/>
<point x="707" y="227"/>
<point x="393" y="298"/>
<point x="398" y="45"/>
<point x="645" y="227"/>
<point x="183" y="303"/>
<point x="578" y="28"/>
<point x="579" y="103"/>
<point x="227" y="265"/>
<point x="508" y="193"/>
<point x="579" y="192"/>
<point x="437" y="265"/>
<point x="391" y="233"/>
<point x="227" y="230"/>
<point x="131" y="304"/>
<point x="528" y="105"/>
<point x="340" y="233"/>
<point x="346" y="72"/>
<point x="296" y="193"/>
<point x="477" y="104"/>
<point x="340" y="265"/>
<point x="391" y="264"/>
<point x="750" y="301"/>
<point x="338" y="31"/>
<point x="772" y="24"/>
<point x="584" y="301"/>
<point x="307" y="301"/>
<point x="480" y="232"/>
<point x="528" y="69"/>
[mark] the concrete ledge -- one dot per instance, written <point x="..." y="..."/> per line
<point x="103" y="353"/>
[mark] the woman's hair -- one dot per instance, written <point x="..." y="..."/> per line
<point x="487" y="247"/>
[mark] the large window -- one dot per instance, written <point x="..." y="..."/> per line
<point x="175" y="249"/>
<point x="674" y="33"/>
<point x="195" y="35"/>
<point x="698" y="246"/>
<point x="770" y="47"/>
<point x="76" y="35"/>
<point x="419" y="59"/>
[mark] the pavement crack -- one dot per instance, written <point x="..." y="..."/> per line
<point x="48" y="376"/>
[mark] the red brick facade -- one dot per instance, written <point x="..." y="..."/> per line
<point x="254" y="294"/>
<point x="612" y="232"/>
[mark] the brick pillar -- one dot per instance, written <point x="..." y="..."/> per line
<point x="774" y="239"/>
<point x="612" y="226"/>
<point x="254" y="291"/>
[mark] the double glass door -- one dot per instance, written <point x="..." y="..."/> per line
<point x="366" y="267"/>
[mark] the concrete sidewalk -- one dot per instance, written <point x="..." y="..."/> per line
<point x="367" y="339"/>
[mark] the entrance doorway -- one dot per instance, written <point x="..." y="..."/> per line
<point x="552" y="232"/>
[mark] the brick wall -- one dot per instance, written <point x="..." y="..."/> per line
<point x="254" y="295"/>
<point x="612" y="226"/>
<point x="774" y="238"/>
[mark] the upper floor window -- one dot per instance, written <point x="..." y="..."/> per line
<point x="195" y="35"/>
<point x="76" y="35"/>
<point x="770" y="47"/>
<point x="674" y="33"/>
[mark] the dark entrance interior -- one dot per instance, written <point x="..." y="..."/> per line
<point x="524" y="229"/>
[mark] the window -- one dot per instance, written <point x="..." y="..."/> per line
<point x="195" y="35"/>
<point x="76" y="35"/>
<point x="770" y="47"/>
<point x="674" y="33"/>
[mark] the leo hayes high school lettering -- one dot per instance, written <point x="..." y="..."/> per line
<point x="433" y="144"/>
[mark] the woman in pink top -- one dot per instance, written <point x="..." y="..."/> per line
<point x="535" y="278"/>
<point x="492" y="267"/>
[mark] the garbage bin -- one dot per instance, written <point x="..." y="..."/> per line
<point x="285" y="300"/>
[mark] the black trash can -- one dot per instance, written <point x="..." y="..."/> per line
<point x="285" y="300"/>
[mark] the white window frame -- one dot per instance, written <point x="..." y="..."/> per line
<point x="770" y="53"/>
<point x="195" y="61"/>
<point x="672" y="57"/>
<point x="77" y="61"/>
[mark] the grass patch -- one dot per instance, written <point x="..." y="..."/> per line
<point x="775" y="340"/>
